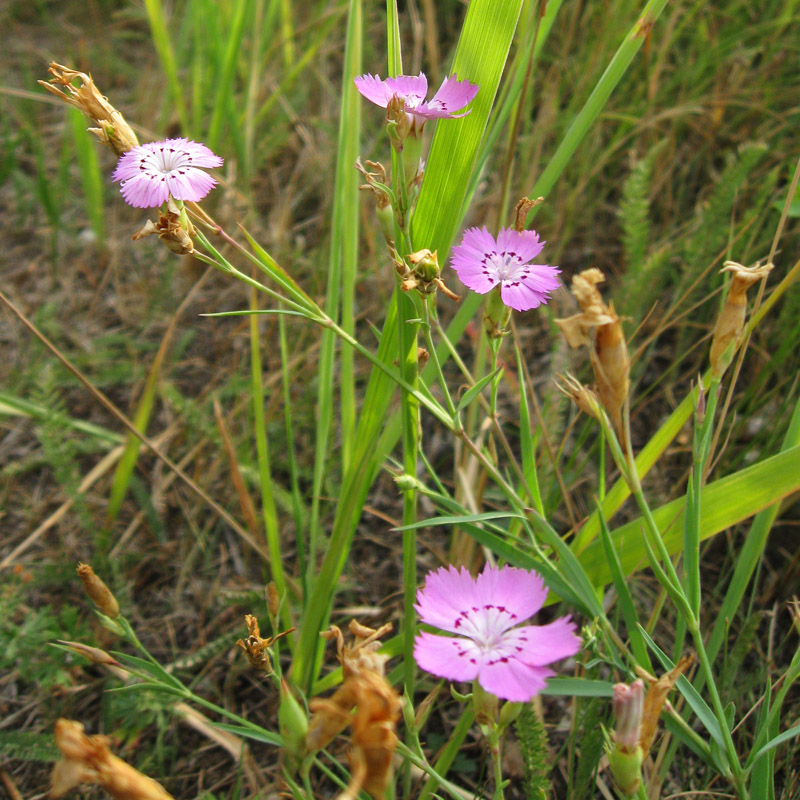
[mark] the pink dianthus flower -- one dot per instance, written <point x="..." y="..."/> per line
<point x="483" y="263"/>
<point x="452" y="95"/>
<point x="151" y="173"/>
<point x="507" y="661"/>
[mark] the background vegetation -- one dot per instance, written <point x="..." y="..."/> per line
<point x="688" y="164"/>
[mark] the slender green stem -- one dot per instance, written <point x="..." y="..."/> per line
<point x="268" y="509"/>
<point x="426" y="329"/>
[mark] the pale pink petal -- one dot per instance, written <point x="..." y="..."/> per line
<point x="538" y="645"/>
<point x="521" y="297"/>
<point x="452" y="96"/>
<point x="525" y="244"/>
<point x="374" y="89"/>
<point x="479" y="281"/>
<point x="520" y="592"/>
<point x="455" y="659"/>
<point x="190" y="184"/>
<point x="145" y="191"/>
<point x="411" y="88"/>
<point x="447" y="593"/>
<point x="512" y="680"/>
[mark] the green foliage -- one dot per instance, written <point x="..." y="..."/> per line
<point x="28" y="746"/>
<point x="589" y="741"/>
<point x="60" y="448"/>
<point x="27" y="627"/>
<point x="532" y="737"/>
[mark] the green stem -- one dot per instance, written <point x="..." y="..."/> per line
<point x="426" y="328"/>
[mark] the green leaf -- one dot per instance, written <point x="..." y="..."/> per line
<point x="723" y="503"/>
<point x="473" y="392"/>
<point x="258" y="734"/>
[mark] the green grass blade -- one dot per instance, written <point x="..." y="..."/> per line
<point x="484" y="69"/>
<point x="602" y="91"/>
<point x="163" y="44"/>
<point x="751" y="551"/>
<point x="723" y="503"/>
<point x="625" y="599"/>
<point x="342" y="270"/>
<point x="92" y="179"/>
<point x="227" y="72"/>
<point x="480" y="57"/>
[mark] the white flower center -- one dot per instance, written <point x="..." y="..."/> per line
<point x="165" y="160"/>
<point x="485" y="626"/>
<point x="506" y="266"/>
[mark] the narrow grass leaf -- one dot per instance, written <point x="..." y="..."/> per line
<point x="724" y="503"/>
<point x="624" y="596"/>
<point x="578" y="687"/>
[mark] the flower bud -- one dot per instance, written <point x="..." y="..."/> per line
<point x="628" y="703"/>
<point x="98" y="592"/>
<point x="425" y="265"/>
<point x="626" y="769"/>
<point x="293" y="725"/>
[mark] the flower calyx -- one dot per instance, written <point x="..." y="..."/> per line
<point x="257" y="649"/>
<point x="173" y="228"/>
<point x="421" y="271"/>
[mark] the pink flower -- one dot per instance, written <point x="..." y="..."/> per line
<point x="152" y="172"/>
<point x="453" y="94"/>
<point x="482" y="263"/>
<point x="507" y="661"/>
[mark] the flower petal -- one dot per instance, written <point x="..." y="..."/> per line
<point x="520" y="296"/>
<point x="513" y="680"/>
<point x="451" y="96"/>
<point x="525" y="244"/>
<point x="145" y="190"/>
<point x="455" y="659"/>
<point x="190" y="184"/>
<point x="519" y="592"/>
<point x="412" y="88"/>
<point x="447" y="593"/>
<point x="537" y="645"/>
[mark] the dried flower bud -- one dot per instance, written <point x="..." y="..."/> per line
<point x="98" y="592"/>
<point x="521" y="211"/>
<point x="113" y="131"/>
<point x="599" y="328"/>
<point x="730" y="322"/>
<point x="87" y="759"/>
<point x="256" y="648"/>
<point x="174" y="229"/>
<point x="583" y="397"/>
<point x="656" y="697"/>
<point x="273" y="600"/>
<point x="367" y="702"/>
